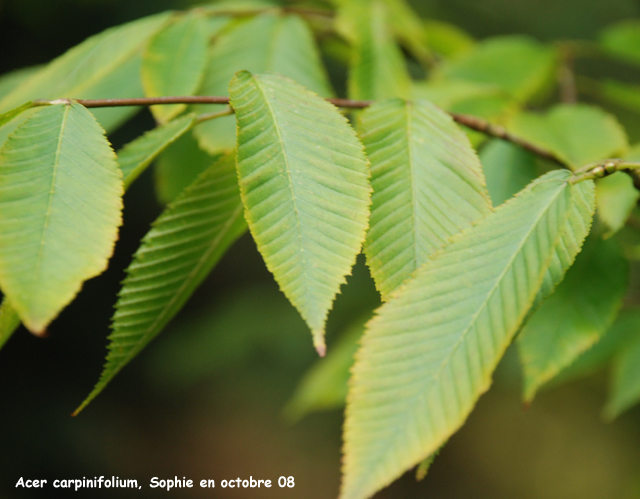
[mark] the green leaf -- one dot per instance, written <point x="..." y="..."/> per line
<point x="622" y="40"/>
<point x="574" y="233"/>
<point x="575" y="316"/>
<point x="508" y="169"/>
<point x="623" y="331"/>
<point x="407" y="27"/>
<point x="60" y="209"/>
<point x="12" y="80"/>
<point x="530" y="66"/>
<point x="430" y="352"/>
<point x="427" y="186"/>
<point x="8" y="116"/>
<point x="269" y="42"/>
<point x="137" y="155"/>
<point x="325" y="385"/>
<point x="616" y="199"/>
<point x="626" y="95"/>
<point x="179" y="251"/>
<point x="304" y="183"/>
<point x="9" y="321"/>
<point x="174" y="63"/>
<point x="447" y="39"/>
<point x="179" y="165"/>
<point x="377" y="68"/>
<point x="580" y="134"/>
<point x="106" y="65"/>
<point x="446" y="94"/>
<point x="424" y="467"/>
<point x="625" y="382"/>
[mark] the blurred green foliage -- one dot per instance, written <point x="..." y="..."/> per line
<point x="206" y="400"/>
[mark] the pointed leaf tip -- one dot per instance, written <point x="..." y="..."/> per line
<point x="60" y="210"/>
<point x="305" y="188"/>
<point x="430" y="352"/>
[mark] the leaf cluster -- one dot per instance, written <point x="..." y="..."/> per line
<point x="474" y="242"/>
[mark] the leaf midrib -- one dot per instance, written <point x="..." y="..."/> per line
<point x="291" y="188"/>
<point x="52" y="192"/>
<point x="214" y="244"/>
<point x="421" y="395"/>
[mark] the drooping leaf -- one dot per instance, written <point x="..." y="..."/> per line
<point x="447" y="39"/>
<point x="266" y="43"/>
<point x="616" y="198"/>
<point x="574" y="233"/>
<point x="179" y="165"/>
<point x="10" y="81"/>
<point x="518" y="65"/>
<point x="106" y="65"/>
<point x="9" y="322"/>
<point x="625" y="383"/>
<point x="623" y="331"/>
<point x="8" y="116"/>
<point x="428" y="185"/>
<point x="179" y="251"/>
<point x="304" y="183"/>
<point x="377" y="69"/>
<point x="580" y="134"/>
<point x="407" y="27"/>
<point x="325" y="385"/>
<point x="508" y="169"/>
<point x="137" y="155"/>
<point x="623" y="94"/>
<point x="424" y="467"/>
<point x="622" y="40"/>
<point x="60" y="209"/>
<point x="575" y="316"/>
<point x="174" y="62"/>
<point x="446" y="94"/>
<point x="430" y="352"/>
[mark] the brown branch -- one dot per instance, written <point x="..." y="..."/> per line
<point x="473" y="122"/>
<point x="488" y="128"/>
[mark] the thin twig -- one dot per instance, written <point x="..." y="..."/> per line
<point x="473" y="122"/>
<point x="212" y="116"/>
<point x="567" y="75"/>
<point x="499" y="132"/>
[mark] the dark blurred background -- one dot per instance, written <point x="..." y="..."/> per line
<point x="205" y="399"/>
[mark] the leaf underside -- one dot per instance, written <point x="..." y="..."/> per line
<point x="60" y="209"/>
<point x="428" y="185"/>
<point x="430" y="352"/>
<point x="304" y="183"/>
<point x="268" y="42"/>
<point x="180" y="250"/>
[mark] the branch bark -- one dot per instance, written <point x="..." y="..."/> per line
<point x="472" y="122"/>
